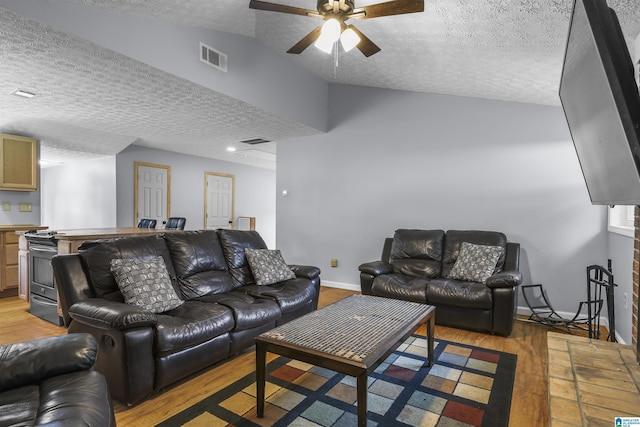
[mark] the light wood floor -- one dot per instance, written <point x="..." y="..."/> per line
<point x="529" y="406"/>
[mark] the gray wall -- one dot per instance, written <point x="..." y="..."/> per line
<point x="397" y="159"/>
<point x="79" y="194"/>
<point x="14" y="216"/>
<point x="254" y="188"/>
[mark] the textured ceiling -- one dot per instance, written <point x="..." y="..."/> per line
<point x="496" y="49"/>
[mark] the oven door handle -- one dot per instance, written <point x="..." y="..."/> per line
<point x="43" y="300"/>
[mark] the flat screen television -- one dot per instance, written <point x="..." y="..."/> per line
<point x="600" y="99"/>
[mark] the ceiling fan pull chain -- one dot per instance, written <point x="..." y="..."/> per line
<point x="335" y="60"/>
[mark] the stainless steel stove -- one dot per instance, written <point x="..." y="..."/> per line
<point x="43" y="295"/>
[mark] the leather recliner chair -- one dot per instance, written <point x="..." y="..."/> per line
<point x="51" y="382"/>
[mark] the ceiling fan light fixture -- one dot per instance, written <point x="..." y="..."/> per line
<point x="349" y="39"/>
<point x="329" y="34"/>
<point x="331" y="30"/>
<point x="324" y="44"/>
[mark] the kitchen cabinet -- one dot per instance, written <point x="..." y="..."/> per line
<point x="18" y="163"/>
<point x="9" y="265"/>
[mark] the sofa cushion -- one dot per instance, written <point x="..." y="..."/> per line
<point x="268" y="266"/>
<point x="145" y="283"/>
<point x="417" y="253"/>
<point x="98" y="261"/>
<point x="290" y="295"/>
<point x="453" y="241"/>
<point x="399" y="286"/>
<point x="234" y="242"/>
<point x="199" y="263"/>
<point x="190" y="324"/>
<point x="460" y="294"/>
<point x="475" y="263"/>
<point x="248" y="312"/>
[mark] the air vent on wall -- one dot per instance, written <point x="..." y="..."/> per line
<point x="255" y="141"/>
<point x="213" y="57"/>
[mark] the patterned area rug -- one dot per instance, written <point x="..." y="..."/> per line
<point x="467" y="386"/>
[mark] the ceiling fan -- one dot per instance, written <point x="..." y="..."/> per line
<point x="335" y="13"/>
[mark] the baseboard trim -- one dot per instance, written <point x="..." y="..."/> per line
<point x="340" y="285"/>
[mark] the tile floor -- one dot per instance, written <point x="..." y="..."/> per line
<point x="591" y="382"/>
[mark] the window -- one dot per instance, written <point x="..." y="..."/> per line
<point x="621" y="220"/>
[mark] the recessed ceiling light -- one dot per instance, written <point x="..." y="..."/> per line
<point x="23" y="93"/>
<point x="231" y="149"/>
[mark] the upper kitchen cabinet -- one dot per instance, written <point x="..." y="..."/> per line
<point x="18" y="163"/>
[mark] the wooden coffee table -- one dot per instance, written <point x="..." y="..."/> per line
<point x="352" y="336"/>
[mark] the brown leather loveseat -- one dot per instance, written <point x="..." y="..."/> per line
<point x="214" y="307"/>
<point x="477" y="291"/>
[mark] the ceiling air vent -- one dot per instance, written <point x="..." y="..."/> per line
<point x="213" y="57"/>
<point x="255" y="141"/>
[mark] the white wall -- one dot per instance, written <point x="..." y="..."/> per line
<point x="254" y="188"/>
<point x="621" y="255"/>
<point x="79" y="195"/>
<point x="397" y="159"/>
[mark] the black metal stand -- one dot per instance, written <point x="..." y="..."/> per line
<point x="599" y="281"/>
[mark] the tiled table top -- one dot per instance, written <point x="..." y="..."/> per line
<point x="591" y="382"/>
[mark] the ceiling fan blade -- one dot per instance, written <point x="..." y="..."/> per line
<point x="366" y="46"/>
<point x="306" y="41"/>
<point x="394" y="7"/>
<point x="273" y="7"/>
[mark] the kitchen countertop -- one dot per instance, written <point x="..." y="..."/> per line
<point x="21" y="227"/>
<point x="89" y="233"/>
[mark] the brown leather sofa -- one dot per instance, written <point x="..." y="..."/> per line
<point x="416" y="265"/>
<point x="223" y="310"/>
<point x="51" y="382"/>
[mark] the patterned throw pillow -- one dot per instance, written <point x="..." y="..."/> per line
<point x="268" y="266"/>
<point x="145" y="283"/>
<point x="475" y="263"/>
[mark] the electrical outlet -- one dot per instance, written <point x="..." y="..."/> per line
<point x="6" y="206"/>
<point x="334" y="262"/>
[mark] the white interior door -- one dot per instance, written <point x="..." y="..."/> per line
<point x="218" y="201"/>
<point x="152" y="192"/>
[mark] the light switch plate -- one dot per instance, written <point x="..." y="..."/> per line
<point x="6" y="206"/>
<point x="25" y="207"/>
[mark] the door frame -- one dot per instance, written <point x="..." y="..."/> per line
<point x="135" y="188"/>
<point x="233" y="195"/>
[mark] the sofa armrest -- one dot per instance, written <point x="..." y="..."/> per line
<point x="33" y="361"/>
<point x="375" y="268"/>
<point x="105" y="314"/>
<point x="305" y="271"/>
<point x="505" y="279"/>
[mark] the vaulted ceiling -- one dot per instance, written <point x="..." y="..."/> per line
<point x="93" y="101"/>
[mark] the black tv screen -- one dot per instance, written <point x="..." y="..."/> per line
<point x="601" y="103"/>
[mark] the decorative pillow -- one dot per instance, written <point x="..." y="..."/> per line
<point x="475" y="263"/>
<point x="145" y="283"/>
<point x="268" y="266"/>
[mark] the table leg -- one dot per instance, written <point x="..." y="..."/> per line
<point x="261" y="360"/>
<point x="430" y="328"/>
<point x="362" y="399"/>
